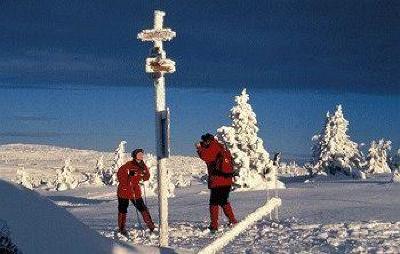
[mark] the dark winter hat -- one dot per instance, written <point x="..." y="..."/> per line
<point x="136" y="151"/>
<point x="207" y="137"/>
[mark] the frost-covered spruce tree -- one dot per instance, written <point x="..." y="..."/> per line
<point x="396" y="176"/>
<point x="96" y="178"/>
<point x="181" y="180"/>
<point x="333" y="150"/>
<point x="251" y="161"/>
<point x="291" y="169"/>
<point x="395" y="163"/>
<point x="65" y="178"/>
<point x="377" y="159"/>
<point x="120" y="158"/>
<point x="151" y="186"/>
<point x="24" y="179"/>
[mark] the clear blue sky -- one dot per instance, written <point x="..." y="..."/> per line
<point x="72" y="72"/>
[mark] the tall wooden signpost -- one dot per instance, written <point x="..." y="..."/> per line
<point x="158" y="65"/>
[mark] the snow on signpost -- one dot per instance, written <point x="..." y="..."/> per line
<point x="151" y="186"/>
<point x="158" y="65"/>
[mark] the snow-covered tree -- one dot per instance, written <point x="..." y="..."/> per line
<point x="396" y="176"/>
<point x="181" y="181"/>
<point x="120" y="158"/>
<point x="333" y="150"/>
<point x="395" y="163"/>
<point x="24" y="179"/>
<point x="96" y="178"/>
<point x="65" y="178"/>
<point x="377" y="159"/>
<point x="151" y="186"/>
<point x="251" y="161"/>
<point x="100" y="164"/>
<point x="291" y="169"/>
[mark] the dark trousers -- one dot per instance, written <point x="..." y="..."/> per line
<point x="123" y="204"/>
<point x="219" y="196"/>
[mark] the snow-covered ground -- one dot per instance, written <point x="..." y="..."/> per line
<point x="31" y="223"/>
<point x="325" y="215"/>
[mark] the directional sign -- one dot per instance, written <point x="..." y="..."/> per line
<point x="165" y="34"/>
<point x="156" y="64"/>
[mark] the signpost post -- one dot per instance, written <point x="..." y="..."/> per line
<point x="158" y="65"/>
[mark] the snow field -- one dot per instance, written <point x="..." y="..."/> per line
<point x="335" y="214"/>
<point x="285" y="237"/>
<point x="40" y="163"/>
<point x="247" y="222"/>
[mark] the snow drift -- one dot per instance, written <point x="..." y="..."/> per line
<point x="39" y="226"/>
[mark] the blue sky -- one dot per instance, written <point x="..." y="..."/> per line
<point x="72" y="72"/>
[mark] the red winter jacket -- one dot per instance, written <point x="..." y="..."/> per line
<point x="128" y="186"/>
<point x="209" y="155"/>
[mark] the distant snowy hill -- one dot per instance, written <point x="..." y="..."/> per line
<point x="43" y="161"/>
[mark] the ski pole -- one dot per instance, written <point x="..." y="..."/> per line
<point x="144" y="194"/>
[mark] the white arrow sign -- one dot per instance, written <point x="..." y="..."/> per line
<point x="165" y="34"/>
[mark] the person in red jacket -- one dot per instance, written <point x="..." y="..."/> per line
<point x="219" y="184"/>
<point x="129" y="175"/>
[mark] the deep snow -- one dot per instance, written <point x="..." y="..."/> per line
<point x="36" y="225"/>
<point x="322" y="215"/>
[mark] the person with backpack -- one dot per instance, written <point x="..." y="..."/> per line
<point x="220" y="173"/>
<point x="129" y="175"/>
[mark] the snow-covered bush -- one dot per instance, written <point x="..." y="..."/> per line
<point x="396" y="176"/>
<point x="251" y="161"/>
<point x="377" y="159"/>
<point x="291" y="169"/>
<point x="151" y="186"/>
<point x="96" y="178"/>
<point x="395" y="163"/>
<point x="31" y="181"/>
<point x="180" y="180"/>
<point x="333" y="151"/>
<point x="24" y="179"/>
<point x="120" y="158"/>
<point x="65" y="178"/>
<point x="6" y="244"/>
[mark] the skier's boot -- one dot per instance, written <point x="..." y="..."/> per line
<point x="121" y="224"/>
<point x="147" y="219"/>
<point x="214" y="218"/>
<point x="227" y="208"/>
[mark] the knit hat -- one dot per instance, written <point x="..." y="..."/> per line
<point x="207" y="137"/>
<point x="136" y="151"/>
